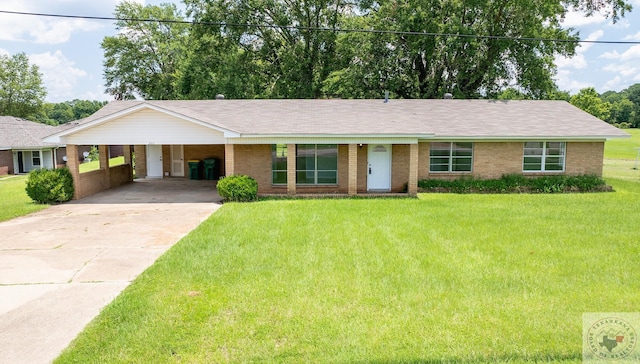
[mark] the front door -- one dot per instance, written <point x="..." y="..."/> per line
<point x="379" y="167"/>
<point x="154" y="161"/>
<point x="20" y="163"/>
<point x="177" y="160"/>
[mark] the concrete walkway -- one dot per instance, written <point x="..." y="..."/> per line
<point x="59" y="267"/>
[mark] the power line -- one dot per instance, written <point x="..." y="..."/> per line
<point x="323" y="29"/>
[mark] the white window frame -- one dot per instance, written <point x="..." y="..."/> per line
<point x="543" y="157"/>
<point x="451" y="158"/>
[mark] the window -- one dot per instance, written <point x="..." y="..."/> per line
<point x="317" y="164"/>
<point x="35" y="158"/>
<point x="450" y="157"/>
<point x="544" y="157"/>
<point x="279" y="164"/>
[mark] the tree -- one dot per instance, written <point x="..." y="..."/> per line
<point x="284" y="53"/>
<point x="588" y="100"/>
<point x="452" y="58"/>
<point x="21" y="90"/>
<point x="145" y="57"/>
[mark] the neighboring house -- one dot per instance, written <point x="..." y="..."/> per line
<point x="341" y="146"/>
<point x="22" y="149"/>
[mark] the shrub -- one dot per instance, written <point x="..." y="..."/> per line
<point x="50" y="185"/>
<point x="517" y="183"/>
<point x="238" y="188"/>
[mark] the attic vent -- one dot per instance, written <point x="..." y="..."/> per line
<point x="448" y="96"/>
<point x="219" y="97"/>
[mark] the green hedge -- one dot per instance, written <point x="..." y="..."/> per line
<point x="239" y="188"/>
<point x="50" y="185"/>
<point x="514" y="183"/>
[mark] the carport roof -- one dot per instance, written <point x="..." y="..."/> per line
<point x="463" y="119"/>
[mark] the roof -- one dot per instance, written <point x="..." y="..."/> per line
<point x="477" y="119"/>
<point x="16" y="133"/>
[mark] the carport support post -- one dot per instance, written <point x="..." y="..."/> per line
<point x="353" y="169"/>
<point x="73" y="165"/>
<point x="412" y="187"/>
<point x="103" y="152"/>
<point x="229" y="160"/>
<point x="291" y="169"/>
<point x="126" y="149"/>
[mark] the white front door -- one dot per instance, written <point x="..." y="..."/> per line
<point x="379" y="167"/>
<point x="177" y="160"/>
<point x="154" y="161"/>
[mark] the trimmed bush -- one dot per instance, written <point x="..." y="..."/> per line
<point x="513" y="183"/>
<point x="50" y="185"/>
<point x="239" y="188"/>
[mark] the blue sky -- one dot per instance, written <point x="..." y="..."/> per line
<point x="70" y="58"/>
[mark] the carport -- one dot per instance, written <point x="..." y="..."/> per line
<point x="156" y="143"/>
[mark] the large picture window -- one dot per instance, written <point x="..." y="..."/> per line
<point x="450" y="157"/>
<point x="279" y="164"/>
<point x="316" y="164"/>
<point x="544" y="156"/>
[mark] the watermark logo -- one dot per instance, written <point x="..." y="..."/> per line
<point x="611" y="337"/>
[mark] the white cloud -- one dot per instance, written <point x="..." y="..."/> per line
<point x="623" y="69"/>
<point x="49" y="30"/>
<point x="578" y="62"/>
<point x="4" y="52"/>
<point x="565" y="82"/>
<point x="632" y="36"/>
<point x="632" y="53"/>
<point x="593" y="36"/>
<point x="59" y="74"/>
<point x="578" y="19"/>
<point x="615" y="84"/>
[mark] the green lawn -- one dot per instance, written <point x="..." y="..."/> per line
<point x="14" y="201"/>
<point x="468" y="278"/>
<point x="95" y="165"/>
<point x="620" y="157"/>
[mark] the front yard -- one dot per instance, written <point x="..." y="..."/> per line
<point x="14" y="201"/>
<point x="442" y="278"/>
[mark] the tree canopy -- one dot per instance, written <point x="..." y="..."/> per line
<point x="21" y="90"/>
<point x="349" y="49"/>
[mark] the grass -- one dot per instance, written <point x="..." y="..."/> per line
<point x="620" y="157"/>
<point x="95" y="165"/>
<point x="466" y="278"/>
<point x="14" y="201"/>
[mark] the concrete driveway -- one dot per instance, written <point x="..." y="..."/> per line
<point x="59" y="267"/>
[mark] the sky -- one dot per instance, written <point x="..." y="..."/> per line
<point x="69" y="56"/>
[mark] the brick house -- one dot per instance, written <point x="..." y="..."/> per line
<point x="340" y="146"/>
<point x="22" y="149"/>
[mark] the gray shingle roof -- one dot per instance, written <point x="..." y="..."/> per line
<point x="19" y="133"/>
<point x="443" y="118"/>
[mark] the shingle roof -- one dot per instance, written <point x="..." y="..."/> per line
<point x="20" y="133"/>
<point x="443" y="118"/>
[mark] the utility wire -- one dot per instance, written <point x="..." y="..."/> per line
<point x="323" y="29"/>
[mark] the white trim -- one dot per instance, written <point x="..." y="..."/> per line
<point x="601" y="138"/>
<point x="53" y="138"/>
<point x="325" y="140"/>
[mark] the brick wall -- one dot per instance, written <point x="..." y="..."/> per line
<point x="492" y="160"/>
<point x="584" y="158"/>
<point x="363" y="168"/>
<point x="140" y="152"/>
<point x="6" y="162"/>
<point x="399" y="167"/>
<point x="119" y="175"/>
<point x="201" y="152"/>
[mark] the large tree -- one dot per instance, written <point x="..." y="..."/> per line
<point x="273" y="44"/>
<point x="471" y="48"/>
<point x="144" y="59"/>
<point x="21" y="90"/>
